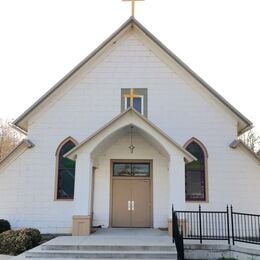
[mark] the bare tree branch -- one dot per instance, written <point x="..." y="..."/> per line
<point x="9" y="138"/>
<point x="252" y="140"/>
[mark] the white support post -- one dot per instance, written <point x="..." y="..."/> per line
<point x="176" y="187"/>
<point x="176" y="183"/>
<point x="83" y="185"/>
<point x="82" y="218"/>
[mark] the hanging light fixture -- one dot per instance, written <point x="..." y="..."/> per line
<point x="131" y="147"/>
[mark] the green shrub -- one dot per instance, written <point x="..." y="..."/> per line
<point x="4" y="225"/>
<point x="14" y="242"/>
<point x="34" y="234"/>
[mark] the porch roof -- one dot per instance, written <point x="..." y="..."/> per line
<point x="130" y="117"/>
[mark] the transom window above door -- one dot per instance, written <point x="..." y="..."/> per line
<point x="136" y="98"/>
<point x="131" y="169"/>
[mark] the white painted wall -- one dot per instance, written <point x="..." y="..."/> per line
<point x="91" y="99"/>
<point x="27" y="195"/>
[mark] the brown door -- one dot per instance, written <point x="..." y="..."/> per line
<point x="141" y="215"/>
<point x="121" y="214"/>
<point x="131" y="203"/>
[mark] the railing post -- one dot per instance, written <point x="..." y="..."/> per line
<point x="182" y="247"/>
<point x="228" y="233"/>
<point x="200" y="224"/>
<point x="232" y="225"/>
<point x="177" y="236"/>
<point x="172" y="224"/>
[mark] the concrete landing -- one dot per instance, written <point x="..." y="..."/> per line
<point x="5" y="257"/>
<point x="108" y="244"/>
<point x="117" y="236"/>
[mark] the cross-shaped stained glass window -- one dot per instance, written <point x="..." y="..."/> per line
<point x="135" y="98"/>
<point x="138" y="102"/>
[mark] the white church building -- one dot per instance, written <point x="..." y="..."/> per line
<point x="127" y="133"/>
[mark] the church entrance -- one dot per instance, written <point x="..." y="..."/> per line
<point x="131" y="203"/>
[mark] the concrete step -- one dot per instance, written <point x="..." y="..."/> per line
<point x="165" y="248"/>
<point x="65" y="254"/>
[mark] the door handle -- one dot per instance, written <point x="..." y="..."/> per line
<point x="129" y="205"/>
<point x="133" y="205"/>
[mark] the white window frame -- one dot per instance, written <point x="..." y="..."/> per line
<point x="142" y="102"/>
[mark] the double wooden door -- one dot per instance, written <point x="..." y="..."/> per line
<point x="131" y="203"/>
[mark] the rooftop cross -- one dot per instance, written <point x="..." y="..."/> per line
<point x="133" y="5"/>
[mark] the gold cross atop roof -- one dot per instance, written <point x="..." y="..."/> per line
<point x="133" y="5"/>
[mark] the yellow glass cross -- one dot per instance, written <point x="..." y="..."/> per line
<point x="131" y="96"/>
<point x="133" y="5"/>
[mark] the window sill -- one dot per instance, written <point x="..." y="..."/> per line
<point x="63" y="199"/>
<point x="197" y="201"/>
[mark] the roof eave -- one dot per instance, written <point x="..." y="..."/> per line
<point x="245" y="129"/>
<point x="19" y="129"/>
<point x="238" y="142"/>
<point x="24" y="143"/>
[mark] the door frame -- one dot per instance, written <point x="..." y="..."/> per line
<point x="130" y="178"/>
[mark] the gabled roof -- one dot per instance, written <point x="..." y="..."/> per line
<point x="239" y="143"/>
<point x="243" y="123"/>
<point x="25" y="143"/>
<point x="134" y="114"/>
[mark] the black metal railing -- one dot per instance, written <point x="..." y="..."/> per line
<point x="204" y="225"/>
<point x="245" y="227"/>
<point x="215" y="225"/>
<point x="177" y="236"/>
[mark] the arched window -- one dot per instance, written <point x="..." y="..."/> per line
<point x="195" y="172"/>
<point x="66" y="171"/>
